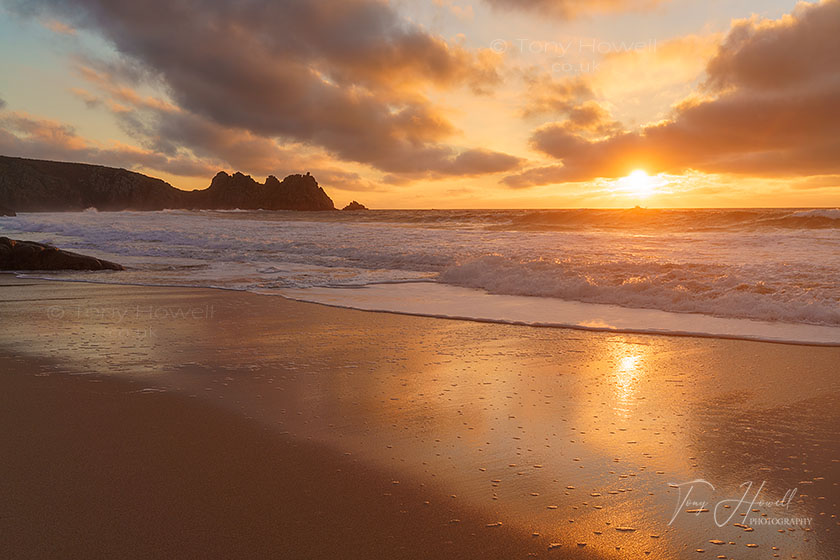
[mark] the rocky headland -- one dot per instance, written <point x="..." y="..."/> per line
<point x="29" y="185"/>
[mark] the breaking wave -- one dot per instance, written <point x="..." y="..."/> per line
<point x="773" y="265"/>
<point x="710" y="289"/>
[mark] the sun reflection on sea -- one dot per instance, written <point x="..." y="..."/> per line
<point x="630" y="366"/>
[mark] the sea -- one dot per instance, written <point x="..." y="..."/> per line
<point x="761" y="274"/>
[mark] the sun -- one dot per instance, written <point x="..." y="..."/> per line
<point x="638" y="183"/>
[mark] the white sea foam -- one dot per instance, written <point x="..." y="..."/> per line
<point x="438" y="300"/>
<point x="765" y="265"/>
<point x="746" y="291"/>
<point x="830" y="213"/>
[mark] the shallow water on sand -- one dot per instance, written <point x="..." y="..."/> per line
<point x="585" y="438"/>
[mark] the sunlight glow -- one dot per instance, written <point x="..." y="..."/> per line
<point x="638" y="183"/>
<point x="629" y="366"/>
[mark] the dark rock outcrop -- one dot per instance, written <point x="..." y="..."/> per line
<point x="6" y="211"/>
<point x="355" y="206"/>
<point x="295" y="192"/>
<point x="28" y="255"/>
<point x="30" y="185"/>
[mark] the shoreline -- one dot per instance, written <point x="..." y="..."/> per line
<point x="720" y="281"/>
<point x="309" y="299"/>
<point x="567" y="326"/>
<point x="444" y="407"/>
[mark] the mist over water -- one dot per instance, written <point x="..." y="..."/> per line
<point x="773" y="265"/>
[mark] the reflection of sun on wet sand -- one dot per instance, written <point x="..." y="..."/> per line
<point x="298" y="428"/>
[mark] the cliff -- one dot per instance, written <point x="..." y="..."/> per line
<point x="28" y="185"/>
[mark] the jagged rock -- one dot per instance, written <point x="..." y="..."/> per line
<point x="355" y="206"/>
<point x="28" y="255"/>
<point x="30" y="185"/>
<point x="6" y="211"/>
<point x="295" y="192"/>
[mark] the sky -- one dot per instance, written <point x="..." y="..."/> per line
<point x="440" y="103"/>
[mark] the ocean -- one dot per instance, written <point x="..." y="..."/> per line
<point x="768" y="274"/>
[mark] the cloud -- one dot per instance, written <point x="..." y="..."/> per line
<point x="818" y="182"/>
<point x="463" y="13"/>
<point x="349" y="77"/>
<point x="536" y="176"/>
<point x="58" y="27"/>
<point x="569" y="9"/>
<point x="480" y="161"/>
<point x="657" y="70"/>
<point x="90" y="100"/>
<point x="167" y="129"/>
<point x="591" y="117"/>
<point x="450" y="163"/>
<point x="768" y="107"/>
<point x="545" y="96"/>
<point x="344" y="180"/>
<point x="25" y="135"/>
<point x="799" y="49"/>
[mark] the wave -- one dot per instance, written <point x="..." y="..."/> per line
<point x="775" y="265"/>
<point x="670" y="220"/>
<point x="710" y="289"/>
<point x="829" y="213"/>
<point x="640" y="219"/>
<point x="646" y="219"/>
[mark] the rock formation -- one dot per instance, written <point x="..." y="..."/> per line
<point x="29" y="185"/>
<point x="355" y="206"/>
<point x="295" y="192"/>
<point x="28" y="255"/>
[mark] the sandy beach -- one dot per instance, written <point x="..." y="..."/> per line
<point x="442" y="280"/>
<point x="155" y="422"/>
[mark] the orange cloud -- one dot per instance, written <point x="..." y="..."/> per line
<point x="553" y="97"/>
<point x="663" y="70"/>
<point x="768" y="107"/>
<point x="109" y="84"/>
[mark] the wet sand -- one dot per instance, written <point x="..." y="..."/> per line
<point x="160" y="422"/>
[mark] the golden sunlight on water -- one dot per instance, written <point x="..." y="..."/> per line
<point x="577" y="437"/>
<point x="630" y="366"/>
